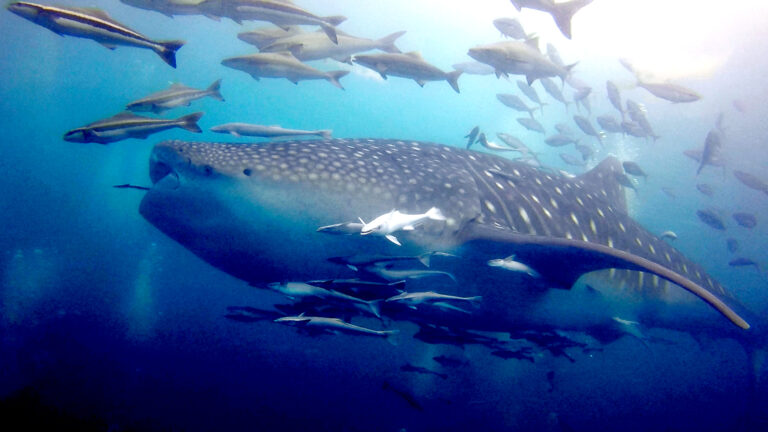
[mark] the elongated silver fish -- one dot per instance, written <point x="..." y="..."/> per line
<point x="281" y="65"/>
<point x="316" y="46"/>
<point x="128" y="125"/>
<point x="176" y="96"/>
<point x="407" y="65"/>
<point x="94" y="24"/>
<point x="518" y="58"/>
<point x="247" y="129"/>
<point x="332" y="325"/>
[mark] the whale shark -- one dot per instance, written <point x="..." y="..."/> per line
<point x="253" y="211"/>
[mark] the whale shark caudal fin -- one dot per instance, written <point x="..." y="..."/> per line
<point x="562" y="261"/>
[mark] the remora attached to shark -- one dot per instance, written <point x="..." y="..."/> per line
<point x="253" y="211"/>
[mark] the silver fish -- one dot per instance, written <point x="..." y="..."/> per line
<point x="281" y="65"/>
<point x="408" y="65"/>
<point x="176" y="96"/>
<point x="94" y="24"/>
<point x="316" y="46"/>
<point x="274" y="131"/>
<point x="128" y="125"/>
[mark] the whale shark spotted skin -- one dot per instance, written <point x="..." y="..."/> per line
<point x="253" y="211"/>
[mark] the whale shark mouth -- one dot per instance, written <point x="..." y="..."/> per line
<point x="162" y="174"/>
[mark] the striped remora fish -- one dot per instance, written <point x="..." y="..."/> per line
<point x="95" y="24"/>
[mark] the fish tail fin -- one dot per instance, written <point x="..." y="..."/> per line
<point x="214" y="90"/>
<point x="375" y="307"/>
<point x="325" y="133"/>
<point x="453" y="79"/>
<point x="335" y="76"/>
<point x="564" y="12"/>
<point x="167" y="51"/>
<point x="435" y="214"/>
<point x="189" y="122"/>
<point x="330" y="31"/>
<point x="475" y="300"/>
<point x="387" y="43"/>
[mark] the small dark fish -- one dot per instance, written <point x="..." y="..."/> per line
<point x="586" y="151"/>
<point x="514" y="102"/>
<point x="130" y="186"/>
<point x="743" y="262"/>
<point x="407" y="397"/>
<point x="586" y="126"/>
<point x="712" y="148"/>
<point x="251" y="314"/>
<point x="524" y="353"/>
<point x="510" y="27"/>
<point x="446" y="361"/>
<point x="733" y="245"/>
<point x="669" y="192"/>
<point x="614" y="96"/>
<point x="472" y="136"/>
<point x="625" y="181"/>
<point x="747" y="220"/>
<point x="564" y="129"/>
<point x="554" y="91"/>
<point x="559" y="140"/>
<point x="609" y="124"/>
<point x="581" y="97"/>
<point x="668" y="234"/>
<point x="637" y="114"/>
<point x="705" y="189"/>
<point x="634" y="169"/>
<point x="711" y="218"/>
<point x="751" y="181"/>
<point x="530" y="93"/>
<point x="572" y="160"/>
<point x="421" y="370"/>
<point x="531" y="125"/>
<point x="633" y="129"/>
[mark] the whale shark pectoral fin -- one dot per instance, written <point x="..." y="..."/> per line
<point x="563" y="261"/>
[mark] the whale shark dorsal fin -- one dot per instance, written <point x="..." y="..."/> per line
<point x="603" y="178"/>
<point x="546" y="255"/>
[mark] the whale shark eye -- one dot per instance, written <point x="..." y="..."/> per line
<point x="247" y="172"/>
<point x="208" y="170"/>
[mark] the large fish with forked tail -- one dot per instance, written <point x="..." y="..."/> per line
<point x="253" y="210"/>
<point x="95" y="24"/>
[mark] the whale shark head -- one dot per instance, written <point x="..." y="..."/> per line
<point x="253" y="210"/>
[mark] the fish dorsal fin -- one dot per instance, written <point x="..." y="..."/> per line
<point x="178" y="86"/>
<point x="603" y="178"/>
<point x="96" y="13"/>
<point x="414" y="54"/>
<point x="286" y="54"/>
<point x="533" y="42"/>
<point x="125" y="115"/>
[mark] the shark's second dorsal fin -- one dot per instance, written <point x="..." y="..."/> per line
<point x="563" y="261"/>
<point x="603" y="178"/>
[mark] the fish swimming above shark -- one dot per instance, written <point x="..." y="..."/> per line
<point x="94" y="24"/>
<point x="407" y="65"/>
<point x="519" y="58"/>
<point x="252" y="210"/>
<point x="177" y="95"/>
<point x="281" y="65"/>
<point x="316" y="46"/>
<point x="273" y="131"/>
<point x="128" y="125"/>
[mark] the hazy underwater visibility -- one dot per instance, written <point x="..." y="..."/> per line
<point x="274" y="215"/>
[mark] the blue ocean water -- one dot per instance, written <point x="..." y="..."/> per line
<point x="105" y="319"/>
